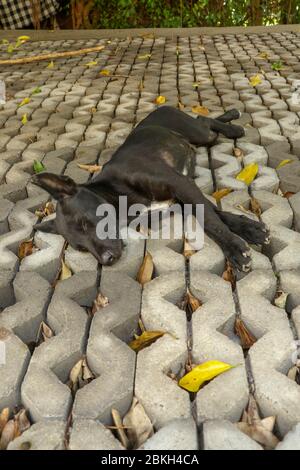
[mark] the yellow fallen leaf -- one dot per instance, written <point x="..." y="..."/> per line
<point x="24" y="119"/>
<point x="90" y="168"/>
<point x="193" y="380"/>
<point x="4" y="417"/>
<point x="146" y="270"/>
<point x="196" y="84"/>
<point x="160" y="99"/>
<point x="105" y="72"/>
<point x="255" y="80"/>
<point x="283" y="163"/>
<point x="92" y="63"/>
<point x="23" y="102"/>
<point x="23" y="38"/>
<point x="50" y="65"/>
<point x="264" y="55"/>
<point x="248" y="174"/>
<point x="145" y="56"/>
<point x="221" y="193"/>
<point x="197" y="109"/>
<point x="145" y="339"/>
<point x="65" y="271"/>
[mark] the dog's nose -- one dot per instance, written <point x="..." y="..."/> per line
<point x="107" y="258"/>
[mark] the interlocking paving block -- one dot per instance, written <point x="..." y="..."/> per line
<point x="108" y="355"/>
<point x="46" y="261"/>
<point x="161" y="397"/>
<point x="44" y="392"/>
<point x="224" y="435"/>
<point x="289" y="176"/>
<point x="87" y="434"/>
<point x="284" y="248"/>
<point x="209" y="258"/>
<point x="5" y="209"/>
<point x="180" y="434"/>
<point x="80" y="261"/>
<point x="271" y="355"/>
<point x="227" y="395"/>
<point x="296" y="320"/>
<point x="81" y="287"/>
<point x="289" y="282"/>
<point x="238" y="202"/>
<point x="45" y="435"/>
<point x="279" y="151"/>
<point x="13" y="368"/>
<point x="295" y="204"/>
<point x="291" y="440"/>
<point x="226" y="167"/>
<point x="253" y="153"/>
<point x="275" y="209"/>
<point x="26" y="314"/>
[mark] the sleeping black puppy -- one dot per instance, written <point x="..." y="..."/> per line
<point x="155" y="163"/>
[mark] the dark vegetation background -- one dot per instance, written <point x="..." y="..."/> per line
<point x="85" y="14"/>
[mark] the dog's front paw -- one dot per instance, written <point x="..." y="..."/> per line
<point x="256" y="233"/>
<point x="235" y="132"/>
<point x="237" y="252"/>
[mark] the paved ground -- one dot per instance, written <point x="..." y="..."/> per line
<point x="80" y="116"/>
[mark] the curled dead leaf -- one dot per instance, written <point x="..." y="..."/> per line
<point x="255" y="207"/>
<point x="8" y="434"/>
<point x="246" y="337"/>
<point x="194" y="379"/>
<point x="66" y="272"/>
<point x="26" y="248"/>
<point x="22" y="421"/>
<point x="188" y="250"/>
<point x="280" y="299"/>
<point x="237" y="152"/>
<point x="101" y="301"/>
<point x="117" y="420"/>
<point x="138" y="424"/>
<point x="4" y="417"/>
<point x="90" y="168"/>
<point x="288" y="194"/>
<point x="146" y="270"/>
<point x="46" y="210"/>
<point x="46" y="331"/>
<point x="261" y="430"/>
<point x="229" y="275"/>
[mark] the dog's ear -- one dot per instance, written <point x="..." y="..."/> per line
<point x="49" y="226"/>
<point x="59" y="186"/>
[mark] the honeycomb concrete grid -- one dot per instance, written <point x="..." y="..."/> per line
<point x="80" y="117"/>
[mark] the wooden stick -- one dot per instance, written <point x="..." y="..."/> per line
<point x="53" y="55"/>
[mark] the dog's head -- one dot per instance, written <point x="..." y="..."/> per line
<point x="76" y="217"/>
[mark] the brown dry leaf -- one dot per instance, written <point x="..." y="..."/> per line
<point x="237" y="152"/>
<point x="87" y="374"/>
<point x="23" y="421"/>
<point x="139" y="426"/>
<point x="101" y="301"/>
<point x="146" y="270"/>
<point x="288" y="194"/>
<point x="46" y="210"/>
<point x="145" y="340"/>
<point x="8" y="434"/>
<point x="261" y="430"/>
<point x="76" y="372"/>
<point x="294" y="372"/>
<point x="141" y="85"/>
<point x="4" y="417"/>
<point x="188" y="251"/>
<point x="197" y="109"/>
<point x="247" y="338"/>
<point x="90" y="168"/>
<point x="280" y="299"/>
<point x="25" y="248"/>
<point x="255" y="207"/>
<point x="119" y="428"/>
<point x="46" y="331"/>
<point x="180" y="105"/>
<point x="229" y="275"/>
<point x="66" y="272"/>
<point x="193" y="301"/>
<point x="218" y="195"/>
<point x="243" y="209"/>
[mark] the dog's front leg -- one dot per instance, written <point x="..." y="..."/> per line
<point x="235" y="249"/>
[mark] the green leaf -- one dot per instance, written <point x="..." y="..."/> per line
<point x="36" y="90"/>
<point x="38" y="167"/>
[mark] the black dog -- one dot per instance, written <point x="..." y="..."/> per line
<point x="155" y="163"/>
